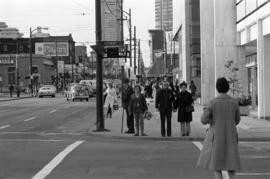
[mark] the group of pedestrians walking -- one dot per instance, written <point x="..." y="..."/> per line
<point x="220" y="148"/>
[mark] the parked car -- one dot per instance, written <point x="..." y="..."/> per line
<point x="47" y="90"/>
<point x="77" y="92"/>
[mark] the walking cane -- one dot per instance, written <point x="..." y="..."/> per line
<point x="122" y="121"/>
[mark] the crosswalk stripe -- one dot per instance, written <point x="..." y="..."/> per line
<point x="200" y="146"/>
<point x="32" y="118"/>
<point x="6" y="126"/>
<point x="45" y="171"/>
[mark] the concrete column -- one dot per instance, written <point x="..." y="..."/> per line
<point x="207" y="51"/>
<point x="254" y="87"/>
<point x="224" y="35"/>
<point x="263" y="44"/>
<point x="186" y="39"/>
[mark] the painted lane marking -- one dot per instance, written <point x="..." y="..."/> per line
<point x="200" y="146"/>
<point x="52" y="111"/>
<point x="30" y="140"/>
<point x="253" y="174"/>
<point x="45" y="171"/>
<point x="30" y="119"/>
<point x="6" y="126"/>
<point x="4" y="111"/>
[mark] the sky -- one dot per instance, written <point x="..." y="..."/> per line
<point x="66" y="16"/>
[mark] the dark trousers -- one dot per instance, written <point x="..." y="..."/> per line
<point x="166" y="116"/>
<point x="130" y="120"/>
<point x="109" y="112"/>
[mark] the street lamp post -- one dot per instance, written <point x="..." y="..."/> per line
<point x="30" y="53"/>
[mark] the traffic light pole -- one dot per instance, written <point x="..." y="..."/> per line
<point x="135" y="56"/>
<point x="100" y="126"/>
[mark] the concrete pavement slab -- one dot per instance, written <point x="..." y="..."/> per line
<point x="250" y="129"/>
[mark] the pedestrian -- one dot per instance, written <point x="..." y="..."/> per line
<point x="138" y="107"/>
<point x="192" y="88"/>
<point x="126" y="96"/>
<point x="111" y="99"/>
<point x="11" y="89"/>
<point x="148" y="90"/>
<point x="164" y="104"/>
<point x="220" y="148"/>
<point x="18" y="91"/>
<point x="184" y="104"/>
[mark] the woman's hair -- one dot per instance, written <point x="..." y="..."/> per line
<point x="222" y="85"/>
<point x="183" y="84"/>
<point x="110" y="85"/>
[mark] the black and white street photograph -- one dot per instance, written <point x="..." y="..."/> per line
<point x="134" y="89"/>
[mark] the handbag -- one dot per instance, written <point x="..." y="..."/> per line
<point x="190" y="108"/>
<point x="147" y="115"/>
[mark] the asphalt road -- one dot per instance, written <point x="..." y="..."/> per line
<point x="48" y="138"/>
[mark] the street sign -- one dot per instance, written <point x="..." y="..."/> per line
<point x="112" y="43"/>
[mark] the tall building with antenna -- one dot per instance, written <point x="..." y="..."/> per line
<point x="164" y="14"/>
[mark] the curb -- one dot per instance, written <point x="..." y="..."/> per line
<point x="14" y="99"/>
<point x="131" y="137"/>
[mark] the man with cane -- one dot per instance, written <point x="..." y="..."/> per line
<point x="126" y="96"/>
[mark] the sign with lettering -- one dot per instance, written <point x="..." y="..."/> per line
<point x="49" y="48"/>
<point x="6" y="60"/>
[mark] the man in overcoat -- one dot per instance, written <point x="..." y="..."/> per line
<point x="126" y="97"/>
<point x="164" y="104"/>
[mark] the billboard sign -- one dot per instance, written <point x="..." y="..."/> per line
<point x="49" y="48"/>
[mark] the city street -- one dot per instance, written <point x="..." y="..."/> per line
<point x="48" y="138"/>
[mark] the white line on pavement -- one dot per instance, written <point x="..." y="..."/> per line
<point x="200" y="146"/>
<point x="45" y="171"/>
<point x="253" y="174"/>
<point x="30" y="140"/>
<point x="6" y="126"/>
<point x="30" y="119"/>
<point x="52" y="111"/>
<point x="4" y="111"/>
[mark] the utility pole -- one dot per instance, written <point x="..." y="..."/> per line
<point x="130" y="38"/>
<point x="56" y="54"/>
<point x="100" y="126"/>
<point x="31" y="62"/>
<point x="139" y="57"/>
<point x="122" y="39"/>
<point x="135" y="46"/>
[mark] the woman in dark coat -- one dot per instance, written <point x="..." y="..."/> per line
<point x="220" y="148"/>
<point x="184" y="104"/>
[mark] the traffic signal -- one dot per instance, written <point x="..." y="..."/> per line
<point x="80" y="59"/>
<point x="112" y="52"/>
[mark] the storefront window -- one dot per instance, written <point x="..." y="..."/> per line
<point x="11" y="75"/>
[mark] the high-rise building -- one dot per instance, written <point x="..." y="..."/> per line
<point x="164" y="14"/>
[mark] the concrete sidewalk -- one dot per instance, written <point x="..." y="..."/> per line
<point x="249" y="129"/>
<point x="6" y="97"/>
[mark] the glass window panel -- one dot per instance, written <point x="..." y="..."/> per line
<point x="241" y="10"/>
<point x="250" y="6"/>
<point x="260" y="2"/>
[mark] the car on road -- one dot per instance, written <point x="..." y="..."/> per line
<point x="77" y="91"/>
<point x="47" y="90"/>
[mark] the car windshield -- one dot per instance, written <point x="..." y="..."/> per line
<point x="78" y="88"/>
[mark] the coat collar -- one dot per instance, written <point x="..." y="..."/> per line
<point x="223" y="96"/>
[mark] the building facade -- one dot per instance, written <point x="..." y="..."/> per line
<point x="238" y="31"/>
<point x="253" y="38"/>
<point x="9" y="32"/>
<point x="164" y="14"/>
<point x="187" y="35"/>
<point x="15" y="69"/>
